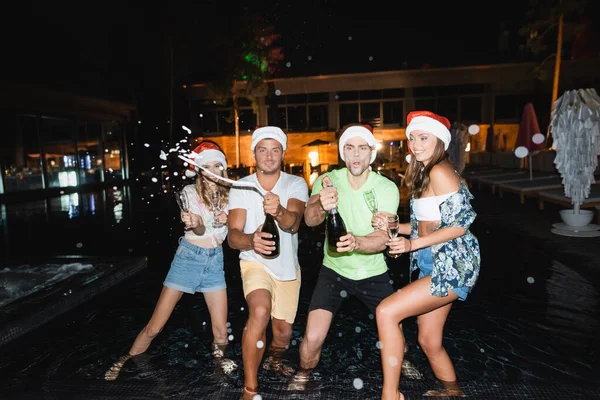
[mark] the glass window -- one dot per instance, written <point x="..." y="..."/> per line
<point x="448" y="107"/>
<point x="225" y="118"/>
<point x="208" y="122"/>
<point x="112" y="152"/>
<point x="59" y="151"/>
<point x="247" y="120"/>
<point x="89" y="152"/>
<point x="352" y="95"/>
<point x="348" y="114"/>
<point x="475" y="88"/>
<point x="295" y="98"/>
<point x="505" y="107"/>
<point x="393" y="93"/>
<point x="370" y="94"/>
<point x="426" y="91"/>
<point x="393" y="112"/>
<point x="370" y="111"/>
<point x="318" y="97"/>
<point x="318" y="117"/>
<point x="279" y="119"/>
<point x="470" y="109"/>
<point x="296" y="118"/>
<point x="22" y="168"/>
<point x="448" y="90"/>
<point x="424" y="104"/>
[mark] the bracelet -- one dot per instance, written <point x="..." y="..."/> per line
<point x="410" y="242"/>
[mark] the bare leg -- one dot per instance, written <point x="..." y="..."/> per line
<point x="317" y="327"/>
<point x="414" y="299"/>
<point x="282" y="333"/>
<point x="164" y="307"/>
<point x="431" y="329"/>
<point x="217" y="308"/>
<point x="254" y="336"/>
<point x="166" y="303"/>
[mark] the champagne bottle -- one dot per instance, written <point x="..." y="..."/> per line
<point x="270" y="226"/>
<point x="335" y="228"/>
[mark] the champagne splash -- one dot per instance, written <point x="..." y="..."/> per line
<point x="221" y="178"/>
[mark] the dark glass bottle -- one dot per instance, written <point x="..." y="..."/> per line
<point x="270" y="226"/>
<point x="335" y="228"/>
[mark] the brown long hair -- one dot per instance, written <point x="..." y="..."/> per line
<point x="417" y="174"/>
<point x="202" y="186"/>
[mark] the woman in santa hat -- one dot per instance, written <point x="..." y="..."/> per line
<point x="441" y="247"/>
<point x="198" y="262"/>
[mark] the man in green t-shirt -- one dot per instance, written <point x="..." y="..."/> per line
<point x="355" y="265"/>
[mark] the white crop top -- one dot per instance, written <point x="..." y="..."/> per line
<point x="428" y="208"/>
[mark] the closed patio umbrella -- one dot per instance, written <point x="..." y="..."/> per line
<point x="529" y="138"/>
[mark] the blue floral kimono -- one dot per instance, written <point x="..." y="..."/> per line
<point x="455" y="262"/>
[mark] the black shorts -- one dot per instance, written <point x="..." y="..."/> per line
<point x="332" y="288"/>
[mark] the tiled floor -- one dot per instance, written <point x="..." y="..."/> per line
<point x="527" y="331"/>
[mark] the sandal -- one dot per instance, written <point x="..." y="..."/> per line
<point x="248" y="394"/>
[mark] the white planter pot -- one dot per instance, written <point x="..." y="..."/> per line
<point x="583" y="218"/>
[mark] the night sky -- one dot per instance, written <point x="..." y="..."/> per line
<point x="120" y="49"/>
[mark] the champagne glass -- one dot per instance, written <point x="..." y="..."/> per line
<point x="371" y="200"/>
<point x="393" y="224"/>
<point x="215" y="198"/>
<point x="182" y="201"/>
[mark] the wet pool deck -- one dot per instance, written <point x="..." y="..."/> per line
<point x="528" y="330"/>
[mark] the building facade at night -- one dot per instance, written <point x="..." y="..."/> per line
<point x="55" y="141"/>
<point x="319" y="107"/>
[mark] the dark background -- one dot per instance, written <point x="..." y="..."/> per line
<point x="133" y="51"/>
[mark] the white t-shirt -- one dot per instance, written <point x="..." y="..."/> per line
<point x="287" y="187"/>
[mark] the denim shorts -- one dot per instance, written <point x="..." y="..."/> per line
<point x="425" y="262"/>
<point x="196" y="269"/>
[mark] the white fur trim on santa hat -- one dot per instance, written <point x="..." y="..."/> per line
<point x="429" y="125"/>
<point x="358" y="131"/>
<point x="269" y="132"/>
<point x="209" y="155"/>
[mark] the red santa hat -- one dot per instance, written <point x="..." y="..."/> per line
<point x="203" y="153"/>
<point x="429" y="122"/>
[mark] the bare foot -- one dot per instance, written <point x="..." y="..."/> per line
<point x="113" y="372"/>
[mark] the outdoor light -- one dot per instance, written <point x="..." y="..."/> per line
<point x="314" y="158"/>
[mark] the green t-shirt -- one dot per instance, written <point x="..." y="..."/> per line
<point x="357" y="217"/>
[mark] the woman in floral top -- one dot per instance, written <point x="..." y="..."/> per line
<point x="441" y="247"/>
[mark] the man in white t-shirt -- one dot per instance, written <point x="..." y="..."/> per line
<point x="271" y="285"/>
